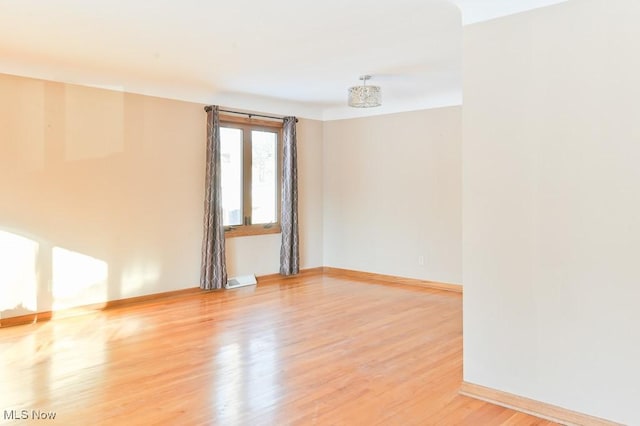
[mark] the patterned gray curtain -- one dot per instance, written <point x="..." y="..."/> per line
<point x="289" y="253"/>
<point x="213" y="272"/>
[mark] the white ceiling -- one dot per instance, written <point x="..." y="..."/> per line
<point x="282" y="56"/>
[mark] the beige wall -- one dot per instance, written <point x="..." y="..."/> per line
<point x="392" y="188"/>
<point x="551" y="202"/>
<point x="101" y="197"/>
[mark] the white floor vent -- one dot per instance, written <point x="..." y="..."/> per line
<point x="241" y="281"/>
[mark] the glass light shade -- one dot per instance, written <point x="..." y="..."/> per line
<point x="365" y="96"/>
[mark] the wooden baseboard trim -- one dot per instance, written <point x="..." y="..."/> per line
<point x="263" y="279"/>
<point x="369" y="276"/>
<point x="26" y="319"/>
<point x="153" y="297"/>
<point x="531" y="406"/>
<point x="85" y="309"/>
<point x="266" y="279"/>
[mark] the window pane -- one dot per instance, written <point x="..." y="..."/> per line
<point x="264" y="176"/>
<point x="231" y="177"/>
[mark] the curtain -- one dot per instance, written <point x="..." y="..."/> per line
<point x="213" y="271"/>
<point x="289" y="253"/>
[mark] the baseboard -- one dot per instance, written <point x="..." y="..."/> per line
<point x="368" y="276"/>
<point x="270" y="278"/>
<point x="153" y="297"/>
<point x="531" y="406"/>
<point x="85" y="309"/>
<point x="263" y="279"/>
<point x="26" y="319"/>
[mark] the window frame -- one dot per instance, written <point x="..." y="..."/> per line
<point x="248" y="124"/>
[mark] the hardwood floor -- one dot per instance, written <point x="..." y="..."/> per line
<point x="319" y="350"/>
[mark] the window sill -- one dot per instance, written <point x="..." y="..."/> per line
<point x="247" y="231"/>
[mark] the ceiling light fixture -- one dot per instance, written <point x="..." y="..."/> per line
<point x="365" y="96"/>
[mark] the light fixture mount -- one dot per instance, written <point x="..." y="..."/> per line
<point x="365" y="96"/>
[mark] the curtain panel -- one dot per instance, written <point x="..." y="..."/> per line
<point x="289" y="251"/>
<point x="213" y="271"/>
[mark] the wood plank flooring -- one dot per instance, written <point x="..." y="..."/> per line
<point x="318" y="350"/>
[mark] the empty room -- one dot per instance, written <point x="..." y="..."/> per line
<point x="420" y="212"/>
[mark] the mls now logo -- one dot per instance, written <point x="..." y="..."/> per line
<point x="29" y="414"/>
<point x="16" y="415"/>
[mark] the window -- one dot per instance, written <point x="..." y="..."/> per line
<point x="250" y="176"/>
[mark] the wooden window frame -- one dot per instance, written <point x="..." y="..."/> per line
<point x="247" y="125"/>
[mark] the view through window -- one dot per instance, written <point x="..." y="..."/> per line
<point x="250" y="177"/>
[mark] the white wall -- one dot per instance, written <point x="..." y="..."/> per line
<point x="551" y="206"/>
<point x="392" y="186"/>
<point x="101" y="197"/>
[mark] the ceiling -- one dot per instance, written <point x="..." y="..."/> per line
<point x="282" y="56"/>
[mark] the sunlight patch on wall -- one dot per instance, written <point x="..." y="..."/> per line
<point x="78" y="279"/>
<point x="18" y="275"/>
<point x="136" y="277"/>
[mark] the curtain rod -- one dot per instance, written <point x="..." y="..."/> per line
<point x="249" y="114"/>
